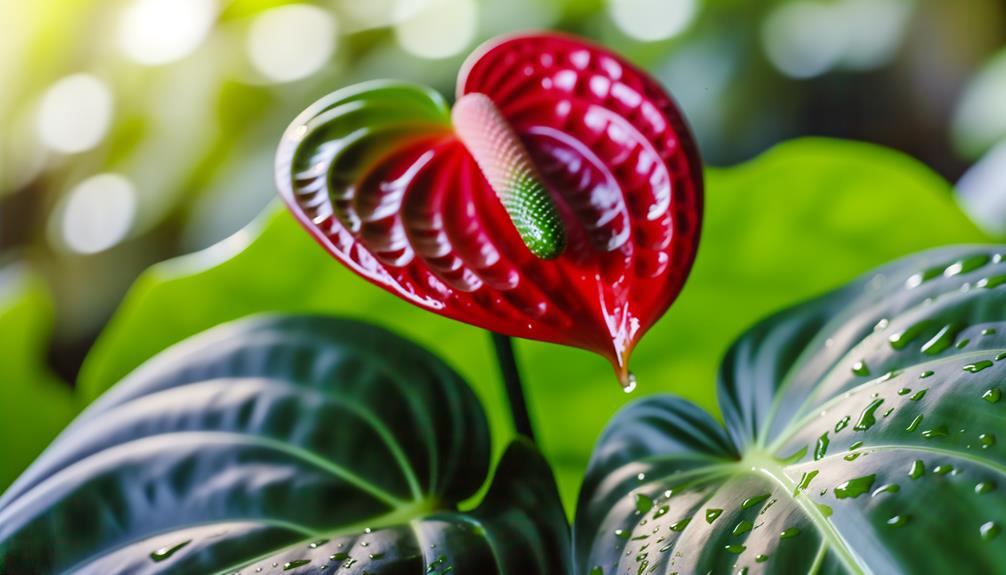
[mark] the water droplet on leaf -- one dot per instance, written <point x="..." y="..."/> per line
<point x="165" y="553"/>
<point x="854" y="487"/>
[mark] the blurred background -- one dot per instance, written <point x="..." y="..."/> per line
<point x="132" y="131"/>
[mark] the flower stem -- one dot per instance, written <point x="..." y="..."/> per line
<point x="511" y="380"/>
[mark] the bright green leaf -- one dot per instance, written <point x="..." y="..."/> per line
<point x="34" y="404"/>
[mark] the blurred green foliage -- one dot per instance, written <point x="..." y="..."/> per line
<point x="34" y="404"/>
<point x="805" y="217"/>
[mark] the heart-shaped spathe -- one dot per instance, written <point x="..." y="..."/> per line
<point x="562" y="202"/>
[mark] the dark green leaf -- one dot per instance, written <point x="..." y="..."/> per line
<point x="864" y="434"/>
<point x="317" y="444"/>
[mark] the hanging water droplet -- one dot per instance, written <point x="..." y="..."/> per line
<point x="629" y="383"/>
<point x="761" y="558"/>
<point x="295" y="564"/>
<point x="904" y="391"/>
<point x="989" y="331"/>
<point x="824" y="509"/>
<point x="735" y="549"/>
<point x="919" y="394"/>
<point x="915" y="423"/>
<point x="918" y="469"/>
<point x="927" y="373"/>
<point x="712" y="514"/>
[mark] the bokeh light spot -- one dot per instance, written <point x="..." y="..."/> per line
<point x="980" y="116"/>
<point x="982" y="191"/>
<point x="808" y="38"/>
<point x="437" y="28"/>
<point x="291" y="42"/>
<point x="97" y="214"/>
<point x="75" y="113"/>
<point x="160" y="31"/>
<point x="802" y="39"/>
<point x="651" y="20"/>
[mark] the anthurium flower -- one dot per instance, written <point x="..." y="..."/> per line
<point x="559" y="200"/>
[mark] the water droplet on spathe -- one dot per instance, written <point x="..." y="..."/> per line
<point x="629" y="383"/>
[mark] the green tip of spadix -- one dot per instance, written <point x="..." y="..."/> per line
<point x="508" y="168"/>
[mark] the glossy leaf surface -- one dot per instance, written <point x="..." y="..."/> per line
<point x="864" y="434"/>
<point x="386" y="183"/>
<point x="782" y="228"/>
<point x="312" y="444"/>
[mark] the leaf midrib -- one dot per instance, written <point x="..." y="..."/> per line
<point x="762" y="464"/>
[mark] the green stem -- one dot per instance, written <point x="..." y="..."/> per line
<point x="514" y="389"/>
